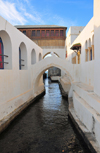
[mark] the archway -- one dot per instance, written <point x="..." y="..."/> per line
<point x="33" y="57"/>
<point x="22" y="56"/>
<point x="6" y="54"/>
<point x="51" y="62"/>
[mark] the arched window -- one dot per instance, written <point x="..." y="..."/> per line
<point x="19" y="58"/>
<point x="40" y="56"/>
<point x="22" y="57"/>
<point x="1" y="55"/>
<point x="33" y="57"/>
<point x="5" y="51"/>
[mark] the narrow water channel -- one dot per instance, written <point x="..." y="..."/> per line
<point x="44" y="127"/>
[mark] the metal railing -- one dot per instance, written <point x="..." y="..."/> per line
<point x="5" y="56"/>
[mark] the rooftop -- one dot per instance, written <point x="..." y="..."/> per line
<point x="38" y="26"/>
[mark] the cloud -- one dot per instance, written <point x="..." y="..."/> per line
<point x="58" y="20"/>
<point x="10" y="13"/>
<point x="27" y="1"/>
<point x="35" y="18"/>
<point x="23" y="12"/>
<point x="16" y="13"/>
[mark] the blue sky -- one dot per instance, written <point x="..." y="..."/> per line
<point x="47" y="12"/>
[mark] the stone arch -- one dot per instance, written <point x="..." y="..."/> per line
<point x="50" y="53"/>
<point x="51" y="62"/>
<point x="7" y="49"/>
<point x="22" y="56"/>
<point x="40" y="56"/>
<point x="33" y="57"/>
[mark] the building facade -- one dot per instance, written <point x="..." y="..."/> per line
<point x="45" y="35"/>
<point x="51" y="38"/>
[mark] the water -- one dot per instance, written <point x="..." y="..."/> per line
<point x="44" y="127"/>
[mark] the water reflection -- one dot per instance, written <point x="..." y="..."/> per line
<point x="44" y="127"/>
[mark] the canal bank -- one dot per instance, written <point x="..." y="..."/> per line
<point x="44" y="127"/>
<point x="4" y="123"/>
<point x="88" y="137"/>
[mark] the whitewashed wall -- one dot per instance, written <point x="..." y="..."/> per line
<point x="16" y="85"/>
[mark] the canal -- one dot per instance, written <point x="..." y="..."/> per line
<point x="44" y="127"/>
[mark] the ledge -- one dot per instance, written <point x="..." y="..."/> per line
<point x="87" y="136"/>
<point x="8" y="119"/>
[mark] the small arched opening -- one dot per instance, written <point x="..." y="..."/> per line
<point x="22" y="56"/>
<point x="5" y="51"/>
<point x="40" y="56"/>
<point x="33" y="57"/>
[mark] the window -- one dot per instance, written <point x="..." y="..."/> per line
<point x="19" y="58"/>
<point x="40" y="56"/>
<point x="1" y="55"/>
<point x="33" y="33"/>
<point x="61" y="32"/>
<point x="57" y="33"/>
<point x="5" y="51"/>
<point x="33" y="57"/>
<point x="52" y="33"/>
<point x="90" y="54"/>
<point x="24" y="32"/>
<point x="43" y="33"/>
<point x="47" y="33"/>
<point x="22" y="57"/>
<point x="38" y="33"/>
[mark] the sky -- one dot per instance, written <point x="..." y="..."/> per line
<point x="47" y="12"/>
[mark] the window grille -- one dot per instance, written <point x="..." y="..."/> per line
<point x="91" y="54"/>
<point x="20" y="60"/>
<point x="57" y="33"/>
<point x="61" y="33"/>
<point x="43" y="33"/>
<point x="52" y="33"/>
<point x="33" y="33"/>
<point x="47" y="33"/>
<point x="38" y="33"/>
<point x="24" y="32"/>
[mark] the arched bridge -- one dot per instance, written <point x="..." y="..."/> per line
<point x="49" y="62"/>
